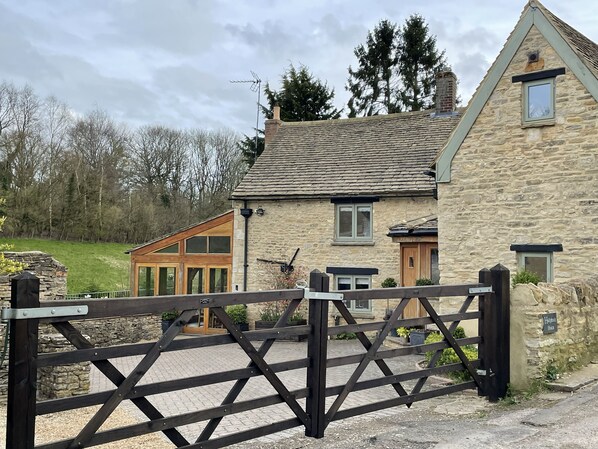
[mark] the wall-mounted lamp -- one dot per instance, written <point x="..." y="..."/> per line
<point x="259" y="211"/>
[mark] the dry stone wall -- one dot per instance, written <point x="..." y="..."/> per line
<point x="575" y="342"/>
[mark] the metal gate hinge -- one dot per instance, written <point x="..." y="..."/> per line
<point x="478" y="290"/>
<point x="324" y="296"/>
<point x="43" y="312"/>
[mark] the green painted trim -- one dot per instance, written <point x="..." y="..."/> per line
<point x="564" y="50"/>
<point x="443" y="164"/>
<point x="533" y="16"/>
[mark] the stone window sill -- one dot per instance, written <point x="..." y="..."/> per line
<point x="538" y="124"/>
<point x="341" y="243"/>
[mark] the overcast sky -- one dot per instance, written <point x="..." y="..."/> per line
<point x="171" y="61"/>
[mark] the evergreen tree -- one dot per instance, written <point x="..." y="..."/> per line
<point x="419" y="61"/>
<point x="374" y="84"/>
<point x="248" y="148"/>
<point x="396" y="69"/>
<point x="302" y="97"/>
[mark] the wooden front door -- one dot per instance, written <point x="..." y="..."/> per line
<point x="418" y="260"/>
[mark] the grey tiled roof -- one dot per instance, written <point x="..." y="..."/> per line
<point x="425" y="225"/>
<point x="585" y="48"/>
<point x="380" y="155"/>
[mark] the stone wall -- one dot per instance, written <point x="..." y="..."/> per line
<point x="512" y="184"/>
<point x="309" y="226"/>
<point x="62" y="381"/>
<point x="575" y="342"/>
<point x="55" y="382"/>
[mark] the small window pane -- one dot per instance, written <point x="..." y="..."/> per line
<point x="434" y="270"/>
<point x="364" y="221"/>
<point x="539" y="101"/>
<point x="195" y="280"/>
<point x="218" y="280"/>
<point x="345" y="221"/>
<point x="172" y="249"/>
<point x="166" y="280"/>
<point x="197" y="244"/>
<point x="219" y="245"/>
<point x="537" y="265"/>
<point x="145" y="281"/>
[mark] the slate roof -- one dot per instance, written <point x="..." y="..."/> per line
<point x="420" y="226"/>
<point x="382" y="155"/>
<point x="585" y="48"/>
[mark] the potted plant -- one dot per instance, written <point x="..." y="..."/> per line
<point x="389" y="283"/>
<point x="168" y="318"/>
<point x="238" y="314"/>
<point x="271" y="312"/>
<point x="403" y="335"/>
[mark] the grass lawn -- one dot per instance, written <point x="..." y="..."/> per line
<point x="102" y="264"/>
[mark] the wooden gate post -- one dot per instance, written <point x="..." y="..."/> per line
<point x="487" y="343"/>
<point x="22" y="365"/>
<point x="496" y="334"/>
<point x="317" y="351"/>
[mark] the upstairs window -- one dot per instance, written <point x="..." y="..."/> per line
<point x="538" y="101"/>
<point x="353" y="222"/>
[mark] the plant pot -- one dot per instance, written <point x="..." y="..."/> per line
<point x="418" y="336"/>
<point x="166" y="324"/>
<point x="243" y="327"/>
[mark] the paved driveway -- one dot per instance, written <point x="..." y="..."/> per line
<point x="181" y="364"/>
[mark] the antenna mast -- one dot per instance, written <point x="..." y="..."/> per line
<point x="256" y="86"/>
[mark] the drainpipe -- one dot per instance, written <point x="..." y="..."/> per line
<point x="245" y="212"/>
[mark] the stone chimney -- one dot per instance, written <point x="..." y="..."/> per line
<point x="446" y="92"/>
<point x="271" y="125"/>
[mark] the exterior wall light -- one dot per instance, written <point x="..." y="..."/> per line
<point x="259" y="211"/>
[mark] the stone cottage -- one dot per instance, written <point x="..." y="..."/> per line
<point x="327" y="192"/>
<point x="518" y="178"/>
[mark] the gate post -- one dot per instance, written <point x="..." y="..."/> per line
<point x="317" y="352"/>
<point x="496" y="334"/>
<point x="22" y="365"/>
<point x="486" y="345"/>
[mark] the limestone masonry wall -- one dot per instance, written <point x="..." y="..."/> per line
<point x="309" y="226"/>
<point x="575" y="342"/>
<point x="524" y="185"/>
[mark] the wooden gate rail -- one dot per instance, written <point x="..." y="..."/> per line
<point x="488" y="373"/>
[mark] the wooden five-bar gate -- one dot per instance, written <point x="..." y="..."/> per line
<point x="489" y="374"/>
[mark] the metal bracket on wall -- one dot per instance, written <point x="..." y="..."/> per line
<point x="43" y="312"/>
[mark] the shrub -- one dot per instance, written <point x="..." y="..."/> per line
<point x="389" y="283"/>
<point x="403" y="332"/>
<point x="170" y="315"/>
<point x="449" y="356"/>
<point x="525" y="277"/>
<point x="346" y="336"/>
<point x="237" y="313"/>
<point x="424" y="281"/>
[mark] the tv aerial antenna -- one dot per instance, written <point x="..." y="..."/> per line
<point x="255" y="86"/>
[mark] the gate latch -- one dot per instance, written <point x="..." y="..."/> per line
<point x="478" y="290"/>
<point x="483" y="372"/>
<point x="43" y="312"/>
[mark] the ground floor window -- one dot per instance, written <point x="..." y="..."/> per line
<point x="537" y="259"/>
<point x="355" y="282"/>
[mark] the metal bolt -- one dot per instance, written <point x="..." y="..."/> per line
<point x="78" y="309"/>
<point x="53" y="311"/>
<point x="25" y="313"/>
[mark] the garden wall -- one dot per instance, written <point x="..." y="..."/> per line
<point x="534" y="352"/>
<point x="63" y="381"/>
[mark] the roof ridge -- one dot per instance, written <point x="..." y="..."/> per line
<point x="346" y="120"/>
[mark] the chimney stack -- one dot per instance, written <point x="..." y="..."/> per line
<point x="271" y="125"/>
<point x="446" y="92"/>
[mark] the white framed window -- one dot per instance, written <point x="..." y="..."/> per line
<point x="538" y="100"/>
<point x="354" y="222"/>
<point x="355" y="282"/>
<point x="539" y="263"/>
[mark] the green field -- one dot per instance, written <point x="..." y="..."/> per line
<point x="104" y="265"/>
